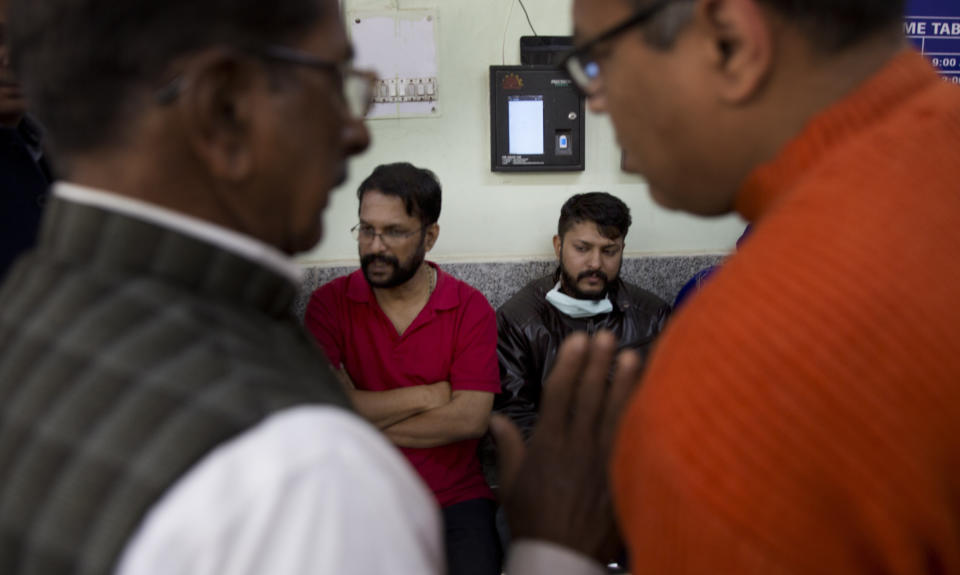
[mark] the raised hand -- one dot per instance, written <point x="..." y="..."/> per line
<point x="556" y="488"/>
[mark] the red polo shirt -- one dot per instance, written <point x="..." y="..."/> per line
<point x="453" y="339"/>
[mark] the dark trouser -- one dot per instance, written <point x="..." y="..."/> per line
<point x="473" y="546"/>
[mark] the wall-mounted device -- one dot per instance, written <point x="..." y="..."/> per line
<point x="544" y="50"/>
<point x="536" y="120"/>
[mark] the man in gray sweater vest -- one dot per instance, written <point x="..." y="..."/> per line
<point x="161" y="410"/>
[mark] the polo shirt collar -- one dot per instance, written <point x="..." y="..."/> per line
<point x="445" y="295"/>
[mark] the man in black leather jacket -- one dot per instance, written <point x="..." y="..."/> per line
<point x="584" y="294"/>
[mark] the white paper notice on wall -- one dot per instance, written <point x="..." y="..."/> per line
<point x="401" y="47"/>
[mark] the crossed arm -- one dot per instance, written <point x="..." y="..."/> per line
<point x="427" y="415"/>
<point x="385" y="408"/>
<point x="466" y="416"/>
<point x="424" y="415"/>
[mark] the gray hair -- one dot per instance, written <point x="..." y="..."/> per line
<point x="666" y="27"/>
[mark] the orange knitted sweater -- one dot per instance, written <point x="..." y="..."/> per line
<point x="802" y="412"/>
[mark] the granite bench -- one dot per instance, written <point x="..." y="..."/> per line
<point x="662" y="275"/>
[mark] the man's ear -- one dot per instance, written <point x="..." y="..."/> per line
<point x="430" y="236"/>
<point x="741" y="46"/>
<point x="219" y="105"/>
<point x="557" y="245"/>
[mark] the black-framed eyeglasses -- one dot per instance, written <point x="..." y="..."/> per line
<point x="581" y="63"/>
<point x="357" y="84"/>
<point x="391" y="237"/>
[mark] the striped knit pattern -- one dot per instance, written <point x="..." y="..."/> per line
<point x="802" y="413"/>
<point x="127" y="353"/>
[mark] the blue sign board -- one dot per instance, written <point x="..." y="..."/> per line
<point x="934" y="28"/>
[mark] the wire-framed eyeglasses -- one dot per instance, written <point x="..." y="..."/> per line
<point x="357" y="84"/>
<point x="391" y="237"/>
<point x="581" y="63"/>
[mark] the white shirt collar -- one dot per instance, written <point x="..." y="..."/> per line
<point x="242" y="245"/>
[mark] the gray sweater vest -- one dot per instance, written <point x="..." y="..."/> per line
<point x="127" y="353"/>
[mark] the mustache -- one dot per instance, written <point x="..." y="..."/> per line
<point x="593" y="274"/>
<point x="382" y="258"/>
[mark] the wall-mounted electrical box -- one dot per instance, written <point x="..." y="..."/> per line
<point x="544" y="50"/>
<point x="536" y="120"/>
<point x="401" y="47"/>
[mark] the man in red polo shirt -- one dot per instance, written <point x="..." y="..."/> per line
<point x="417" y="351"/>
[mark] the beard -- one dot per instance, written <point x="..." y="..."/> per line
<point x="402" y="273"/>
<point x="569" y="284"/>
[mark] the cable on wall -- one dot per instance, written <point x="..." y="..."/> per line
<point x="527" y="14"/>
<point x="506" y="26"/>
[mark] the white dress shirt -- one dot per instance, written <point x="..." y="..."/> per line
<point x="311" y="490"/>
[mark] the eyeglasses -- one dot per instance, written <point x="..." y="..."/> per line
<point x="391" y="237"/>
<point x="357" y="85"/>
<point x="582" y="65"/>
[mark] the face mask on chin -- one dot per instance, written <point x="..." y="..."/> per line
<point x="577" y="308"/>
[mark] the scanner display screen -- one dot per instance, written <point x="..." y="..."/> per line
<point x="525" y="124"/>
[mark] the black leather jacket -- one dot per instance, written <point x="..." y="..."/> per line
<point x="531" y="330"/>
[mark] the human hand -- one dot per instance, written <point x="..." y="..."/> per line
<point x="556" y="487"/>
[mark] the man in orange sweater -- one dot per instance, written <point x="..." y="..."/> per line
<point x="802" y="413"/>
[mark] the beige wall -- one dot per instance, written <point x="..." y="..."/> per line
<point x="489" y="216"/>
